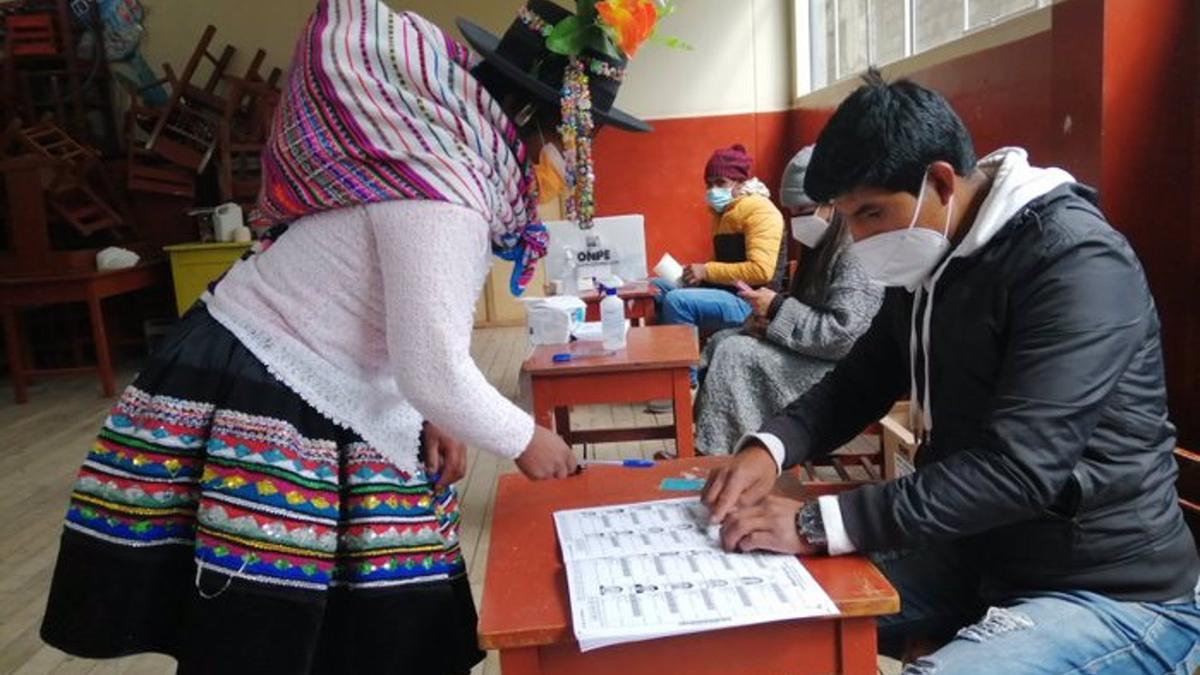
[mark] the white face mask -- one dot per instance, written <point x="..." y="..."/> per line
<point x="809" y="230"/>
<point x="905" y="257"/>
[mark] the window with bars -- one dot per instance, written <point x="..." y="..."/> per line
<point x="846" y="36"/>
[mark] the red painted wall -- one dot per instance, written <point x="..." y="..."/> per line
<point x="1111" y="93"/>
<point x="1191" y="355"/>
<point x="660" y="174"/>
<point x="1149" y="113"/>
<point x="1002" y="94"/>
<point x="1126" y="75"/>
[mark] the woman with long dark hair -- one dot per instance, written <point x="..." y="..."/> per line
<point x="791" y="340"/>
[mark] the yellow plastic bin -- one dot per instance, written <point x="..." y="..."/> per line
<point x="195" y="266"/>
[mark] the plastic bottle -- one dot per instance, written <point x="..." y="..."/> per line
<point x="612" y="320"/>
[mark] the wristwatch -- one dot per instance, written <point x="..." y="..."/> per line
<point x="810" y="526"/>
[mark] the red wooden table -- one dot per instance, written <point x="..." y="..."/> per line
<point x="639" y="302"/>
<point x="526" y="612"/>
<point x="17" y="293"/>
<point x="654" y="365"/>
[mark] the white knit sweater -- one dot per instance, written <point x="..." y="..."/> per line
<point x="367" y="314"/>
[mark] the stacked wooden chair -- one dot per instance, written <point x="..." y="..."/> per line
<point x="42" y="73"/>
<point x="77" y="188"/>
<point x="221" y="117"/>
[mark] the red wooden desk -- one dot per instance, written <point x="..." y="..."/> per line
<point x="639" y="302"/>
<point x="654" y="365"/>
<point x="17" y="293"/>
<point x="526" y="613"/>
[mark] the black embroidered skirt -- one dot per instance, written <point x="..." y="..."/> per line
<point x="221" y="520"/>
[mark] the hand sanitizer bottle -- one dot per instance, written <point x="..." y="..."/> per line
<point x="612" y="320"/>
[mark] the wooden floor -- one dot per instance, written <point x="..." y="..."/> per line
<point x="43" y="442"/>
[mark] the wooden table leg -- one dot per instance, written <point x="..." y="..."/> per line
<point x="648" y="316"/>
<point x="523" y="661"/>
<point x="100" y="337"/>
<point x="543" y="410"/>
<point x="562" y="418"/>
<point x="16" y="364"/>
<point x="685" y="445"/>
<point x="857" y="647"/>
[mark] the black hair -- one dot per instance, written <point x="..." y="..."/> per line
<point x="884" y="135"/>
<point x="815" y="275"/>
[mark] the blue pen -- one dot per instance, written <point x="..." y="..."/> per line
<point x="627" y="463"/>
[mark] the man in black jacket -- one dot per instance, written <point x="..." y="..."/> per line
<point x="1040" y="531"/>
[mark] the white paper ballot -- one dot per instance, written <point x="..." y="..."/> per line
<point x="656" y="569"/>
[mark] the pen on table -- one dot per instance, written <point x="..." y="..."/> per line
<point x="566" y="357"/>
<point x="627" y="463"/>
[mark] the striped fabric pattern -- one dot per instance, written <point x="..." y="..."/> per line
<point x="382" y="106"/>
<point x="259" y="501"/>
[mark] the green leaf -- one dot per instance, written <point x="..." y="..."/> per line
<point x="567" y="37"/>
<point x="673" y="43"/>
<point x="598" y="39"/>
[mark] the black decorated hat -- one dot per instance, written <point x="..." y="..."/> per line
<point x="522" y="57"/>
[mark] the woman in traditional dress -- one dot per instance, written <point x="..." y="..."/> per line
<point x="273" y="494"/>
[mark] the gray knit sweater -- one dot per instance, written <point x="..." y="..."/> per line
<point x="747" y="380"/>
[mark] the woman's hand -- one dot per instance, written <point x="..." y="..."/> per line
<point x="756" y="326"/>
<point x="760" y="300"/>
<point x="445" y="456"/>
<point x="547" y="456"/>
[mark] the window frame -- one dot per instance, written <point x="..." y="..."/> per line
<point x="811" y="37"/>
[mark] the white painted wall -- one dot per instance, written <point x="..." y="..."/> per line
<point x="742" y="60"/>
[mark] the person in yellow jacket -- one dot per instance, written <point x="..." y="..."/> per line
<point x="748" y="246"/>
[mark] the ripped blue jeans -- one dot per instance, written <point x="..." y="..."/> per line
<point x="1052" y="633"/>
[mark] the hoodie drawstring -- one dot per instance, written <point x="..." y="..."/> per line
<point x="923" y="425"/>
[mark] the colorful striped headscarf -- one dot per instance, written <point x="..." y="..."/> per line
<point x="381" y="106"/>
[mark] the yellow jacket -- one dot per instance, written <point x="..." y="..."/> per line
<point x="747" y="239"/>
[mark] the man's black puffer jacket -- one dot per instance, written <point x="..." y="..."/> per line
<point x="1050" y="460"/>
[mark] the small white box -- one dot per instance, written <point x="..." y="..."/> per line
<point x="552" y="320"/>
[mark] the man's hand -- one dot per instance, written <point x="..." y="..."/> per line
<point x="760" y="299"/>
<point x="444" y="455"/>
<point x="743" y="481"/>
<point x="695" y="274"/>
<point x="768" y="526"/>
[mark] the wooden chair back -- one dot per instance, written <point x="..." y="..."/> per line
<point x="1187" y="484"/>
<point x="183" y="135"/>
<point x="31" y="35"/>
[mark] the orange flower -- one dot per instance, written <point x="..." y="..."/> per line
<point x="630" y="22"/>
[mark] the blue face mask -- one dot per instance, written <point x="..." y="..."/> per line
<point x="719" y="198"/>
